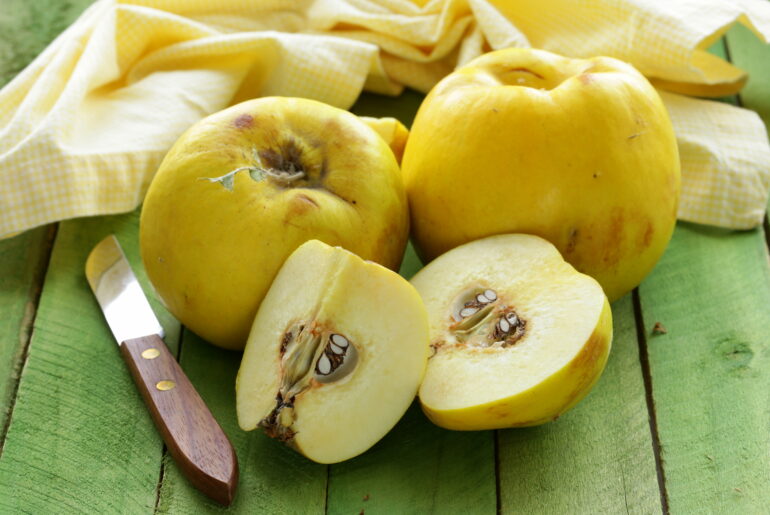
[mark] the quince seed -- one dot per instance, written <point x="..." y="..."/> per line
<point x="491" y="295"/>
<point x="324" y="366"/>
<point x="340" y="340"/>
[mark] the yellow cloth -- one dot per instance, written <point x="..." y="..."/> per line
<point x="84" y="126"/>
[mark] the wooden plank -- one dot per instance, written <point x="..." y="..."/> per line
<point x="710" y="372"/>
<point x="273" y="478"/>
<point x="24" y="259"/>
<point x="80" y="438"/>
<point x="26" y="28"/>
<point x="598" y="457"/>
<point x="418" y="468"/>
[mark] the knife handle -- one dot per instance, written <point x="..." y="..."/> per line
<point x="194" y="438"/>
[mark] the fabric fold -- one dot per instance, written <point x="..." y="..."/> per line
<point x="85" y="125"/>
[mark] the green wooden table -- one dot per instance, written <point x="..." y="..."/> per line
<point x="679" y="422"/>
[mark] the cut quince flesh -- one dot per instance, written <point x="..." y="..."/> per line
<point x="335" y="356"/>
<point x="519" y="336"/>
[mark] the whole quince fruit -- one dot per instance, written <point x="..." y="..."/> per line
<point x="578" y="151"/>
<point x="243" y="188"/>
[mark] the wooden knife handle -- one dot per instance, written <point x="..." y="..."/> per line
<point x="192" y="435"/>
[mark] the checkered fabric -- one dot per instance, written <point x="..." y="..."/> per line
<point x="85" y="125"/>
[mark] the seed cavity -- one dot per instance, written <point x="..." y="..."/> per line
<point x="477" y="302"/>
<point x="509" y="329"/>
<point x="341" y="358"/>
<point x="481" y="318"/>
<point x="309" y="354"/>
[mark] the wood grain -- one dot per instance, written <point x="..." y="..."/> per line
<point x="192" y="435"/>
<point x="598" y="457"/>
<point x="418" y="468"/>
<point x="80" y="439"/>
<point x="26" y="28"/>
<point x="710" y="371"/>
<point x="24" y="260"/>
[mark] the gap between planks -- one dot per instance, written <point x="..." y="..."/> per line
<point x="644" y="362"/>
<point x="28" y="325"/>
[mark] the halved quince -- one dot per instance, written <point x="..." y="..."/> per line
<point x="335" y="356"/>
<point x="519" y="336"/>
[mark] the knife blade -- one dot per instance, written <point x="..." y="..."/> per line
<point x="191" y="433"/>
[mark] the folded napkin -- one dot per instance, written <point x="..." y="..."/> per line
<point x="85" y="125"/>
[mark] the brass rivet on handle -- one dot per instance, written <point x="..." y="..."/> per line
<point x="150" y="353"/>
<point x="165" y="385"/>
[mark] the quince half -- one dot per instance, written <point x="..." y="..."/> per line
<point x="578" y="151"/>
<point x="518" y="335"/>
<point x="335" y="356"/>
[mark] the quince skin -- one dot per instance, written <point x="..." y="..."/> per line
<point x="578" y="151"/>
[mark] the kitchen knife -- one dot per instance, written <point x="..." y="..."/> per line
<point x="192" y="435"/>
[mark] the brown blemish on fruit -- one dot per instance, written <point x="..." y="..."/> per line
<point x="588" y="355"/>
<point x="648" y="233"/>
<point x="388" y="249"/>
<point x="592" y="356"/>
<point x="500" y="412"/>
<point x="615" y="233"/>
<point x="586" y="78"/>
<point x="342" y="135"/>
<point x="299" y="205"/>
<point x="571" y="241"/>
<point x="243" y="121"/>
